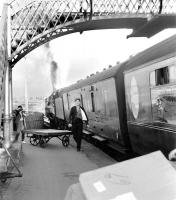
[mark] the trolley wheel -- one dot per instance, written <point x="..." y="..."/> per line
<point x="65" y="141"/>
<point x="34" y="140"/>
<point x="3" y="180"/>
<point x="42" y="142"/>
<point x="47" y="140"/>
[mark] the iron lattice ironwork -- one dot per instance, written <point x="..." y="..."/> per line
<point x="34" y="22"/>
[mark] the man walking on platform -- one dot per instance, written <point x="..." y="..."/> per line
<point x="76" y="119"/>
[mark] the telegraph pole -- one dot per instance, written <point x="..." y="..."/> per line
<point x="26" y="97"/>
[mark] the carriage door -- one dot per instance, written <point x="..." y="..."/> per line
<point x="59" y="108"/>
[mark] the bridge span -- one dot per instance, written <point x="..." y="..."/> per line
<point x="36" y="22"/>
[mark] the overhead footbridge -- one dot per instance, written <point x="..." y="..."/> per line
<point x="27" y="24"/>
<point x="36" y="22"/>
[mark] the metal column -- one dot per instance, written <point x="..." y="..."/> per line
<point x="8" y="123"/>
<point x="7" y="117"/>
<point x="11" y="103"/>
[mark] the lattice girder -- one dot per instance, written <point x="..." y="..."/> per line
<point x="36" y="22"/>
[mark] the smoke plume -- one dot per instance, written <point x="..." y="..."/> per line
<point x="54" y="67"/>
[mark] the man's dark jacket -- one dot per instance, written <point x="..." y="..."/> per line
<point x="73" y="113"/>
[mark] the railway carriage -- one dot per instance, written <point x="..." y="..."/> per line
<point x="150" y="89"/>
<point x="133" y="104"/>
<point x="99" y="96"/>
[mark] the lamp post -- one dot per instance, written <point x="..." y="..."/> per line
<point x="26" y="98"/>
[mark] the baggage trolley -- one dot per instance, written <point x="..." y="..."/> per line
<point x="42" y="136"/>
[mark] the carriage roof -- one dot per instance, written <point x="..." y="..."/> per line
<point x="161" y="49"/>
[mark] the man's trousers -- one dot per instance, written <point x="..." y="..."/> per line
<point x="77" y="128"/>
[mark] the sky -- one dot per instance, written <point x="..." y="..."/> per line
<point x="77" y="56"/>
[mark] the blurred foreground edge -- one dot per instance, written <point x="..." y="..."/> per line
<point x="146" y="177"/>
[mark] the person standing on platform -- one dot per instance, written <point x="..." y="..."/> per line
<point x="20" y="123"/>
<point x="76" y="119"/>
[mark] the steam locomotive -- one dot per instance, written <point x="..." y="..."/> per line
<point x="133" y="104"/>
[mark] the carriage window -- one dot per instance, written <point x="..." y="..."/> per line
<point x="162" y="76"/>
<point x="93" y="102"/>
<point x="172" y="74"/>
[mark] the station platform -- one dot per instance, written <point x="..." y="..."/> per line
<point x="49" y="172"/>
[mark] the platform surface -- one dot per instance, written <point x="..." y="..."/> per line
<point x="48" y="173"/>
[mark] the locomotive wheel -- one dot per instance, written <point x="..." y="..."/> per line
<point x="65" y="141"/>
<point x="34" y="140"/>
